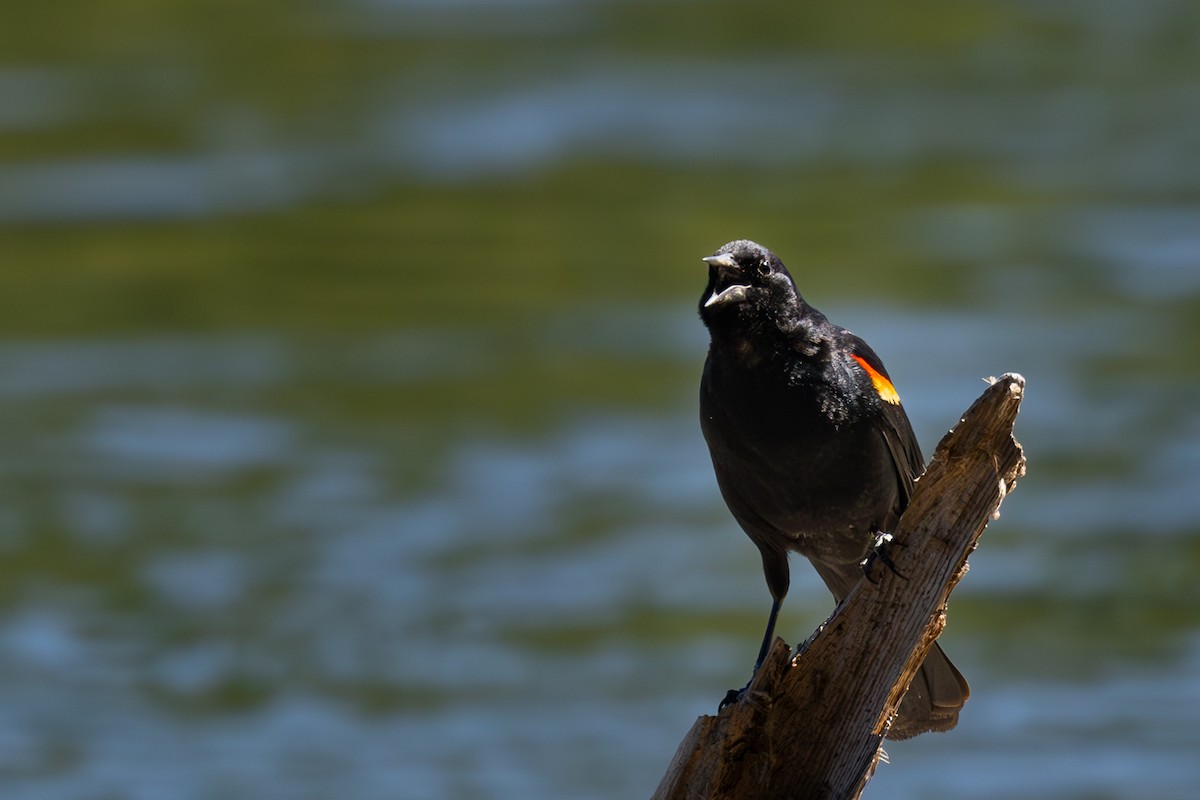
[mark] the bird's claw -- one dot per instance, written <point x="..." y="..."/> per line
<point x="731" y="697"/>
<point x="879" y="552"/>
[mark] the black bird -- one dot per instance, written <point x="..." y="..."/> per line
<point x="811" y="448"/>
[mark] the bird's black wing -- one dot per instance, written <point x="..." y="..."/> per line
<point x="894" y="425"/>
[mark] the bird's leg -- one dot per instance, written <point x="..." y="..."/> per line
<point x="884" y="541"/>
<point x="769" y="634"/>
<point x="733" y="695"/>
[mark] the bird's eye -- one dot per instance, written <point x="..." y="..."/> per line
<point x="763" y="268"/>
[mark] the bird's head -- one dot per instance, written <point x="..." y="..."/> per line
<point x="748" y="286"/>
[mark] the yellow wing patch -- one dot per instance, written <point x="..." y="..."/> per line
<point x="883" y="386"/>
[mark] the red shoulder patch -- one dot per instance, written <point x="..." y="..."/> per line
<point x="883" y="386"/>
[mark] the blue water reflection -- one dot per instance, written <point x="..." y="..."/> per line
<point x="580" y="594"/>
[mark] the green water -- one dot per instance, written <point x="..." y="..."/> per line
<point x="348" y="358"/>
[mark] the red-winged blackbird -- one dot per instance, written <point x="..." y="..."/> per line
<point x="811" y="447"/>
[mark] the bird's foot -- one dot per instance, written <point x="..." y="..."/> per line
<point x="880" y="552"/>
<point x="755" y="697"/>
<point x="731" y="697"/>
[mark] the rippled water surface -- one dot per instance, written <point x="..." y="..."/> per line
<point x="348" y="360"/>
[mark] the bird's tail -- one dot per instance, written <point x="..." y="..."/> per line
<point x="934" y="698"/>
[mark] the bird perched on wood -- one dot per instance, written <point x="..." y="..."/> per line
<point x="812" y="450"/>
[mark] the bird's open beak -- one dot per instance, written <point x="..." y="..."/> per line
<point x="727" y="269"/>
<point x="720" y="260"/>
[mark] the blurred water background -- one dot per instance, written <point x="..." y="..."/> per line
<point x="348" y="367"/>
